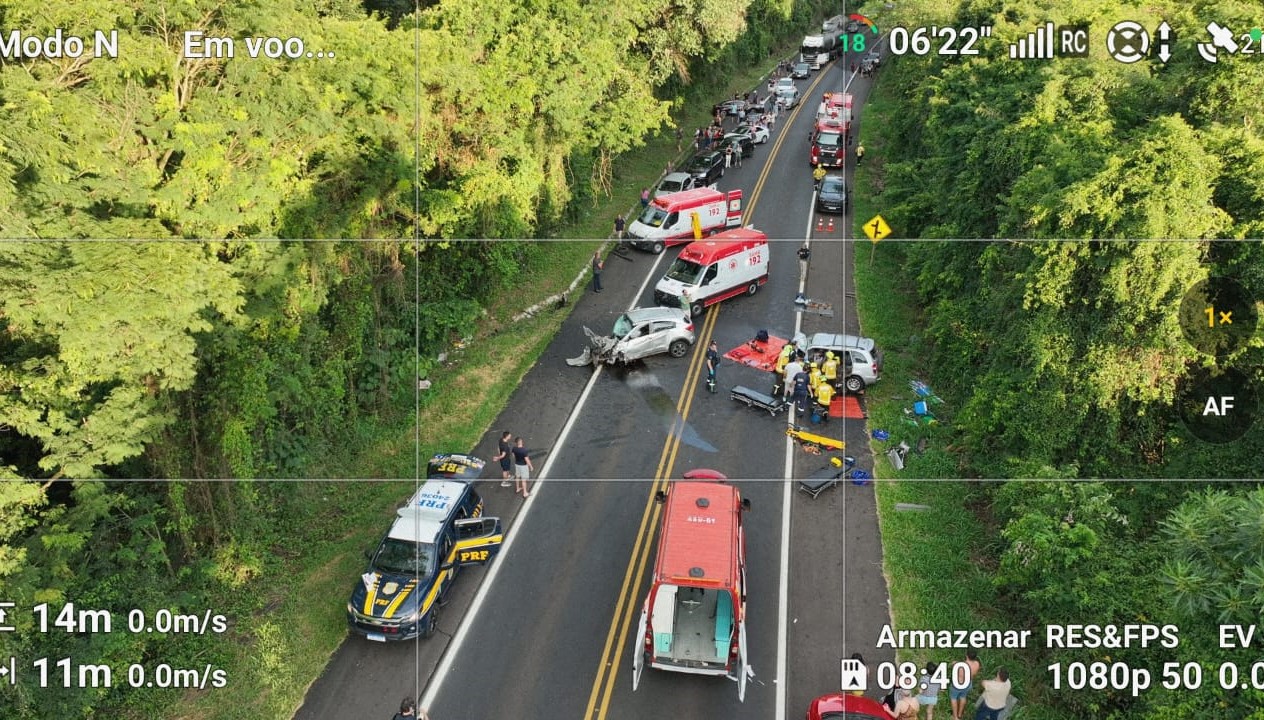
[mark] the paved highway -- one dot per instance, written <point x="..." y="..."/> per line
<point x="548" y="634"/>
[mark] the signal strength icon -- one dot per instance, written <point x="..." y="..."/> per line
<point x="1037" y="45"/>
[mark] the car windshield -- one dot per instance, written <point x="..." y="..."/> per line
<point x="401" y="557"/>
<point x="785" y="83"/>
<point x="828" y="139"/>
<point x="832" y="185"/>
<point x="622" y="326"/>
<point x="685" y="271"/>
<point x="701" y="163"/>
<point x="671" y="186"/>
<point x="653" y="216"/>
<point x="785" y="91"/>
<point x="801" y="67"/>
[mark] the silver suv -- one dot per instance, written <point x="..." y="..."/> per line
<point x="862" y="362"/>
<point x="639" y="333"/>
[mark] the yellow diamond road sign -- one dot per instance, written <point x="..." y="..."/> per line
<point x="876" y="228"/>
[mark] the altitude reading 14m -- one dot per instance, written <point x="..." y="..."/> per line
<point x="944" y="41"/>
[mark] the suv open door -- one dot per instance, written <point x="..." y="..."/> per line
<point x="478" y="540"/>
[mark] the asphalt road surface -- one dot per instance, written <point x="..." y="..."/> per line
<point x="549" y="634"/>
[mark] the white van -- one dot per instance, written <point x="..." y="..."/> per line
<point x="729" y="264"/>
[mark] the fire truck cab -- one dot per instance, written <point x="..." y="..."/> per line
<point x="694" y="618"/>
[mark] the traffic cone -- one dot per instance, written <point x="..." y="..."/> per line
<point x="820" y="223"/>
<point x="831" y="226"/>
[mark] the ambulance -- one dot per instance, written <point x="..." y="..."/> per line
<point x="694" y="618"/>
<point x="728" y="264"/>
<point x="836" y="107"/>
<point x="680" y="217"/>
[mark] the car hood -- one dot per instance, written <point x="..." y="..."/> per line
<point x="388" y="596"/>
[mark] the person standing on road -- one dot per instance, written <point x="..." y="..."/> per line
<point x="793" y="368"/>
<point x="779" y="370"/>
<point x="805" y="253"/>
<point x="957" y="695"/>
<point x="800" y="392"/>
<point x="685" y="303"/>
<point x="713" y="362"/>
<point x="505" y="456"/>
<point x="597" y="267"/>
<point x="522" y="468"/>
<point x="817" y="175"/>
<point x="618" y="226"/>
<point x="737" y="153"/>
<point x="824" y="396"/>
<point x="995" y="696"/>
<point x="728" y="156"/>
<point x="829" y="369"/>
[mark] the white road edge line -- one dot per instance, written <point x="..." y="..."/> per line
<point x="783" y="582"/>
<point x="435" y="683"/>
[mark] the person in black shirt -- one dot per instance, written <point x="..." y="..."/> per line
<point x="713" y="362"/>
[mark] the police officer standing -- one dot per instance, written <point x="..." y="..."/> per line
<point x="804" y="254"/>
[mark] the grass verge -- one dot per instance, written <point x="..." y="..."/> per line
<point x="937" y="560"/>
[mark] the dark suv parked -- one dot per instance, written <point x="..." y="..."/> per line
<point x="707" y="167"/>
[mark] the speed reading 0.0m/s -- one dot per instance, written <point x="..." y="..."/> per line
<point x="944" y="41"/>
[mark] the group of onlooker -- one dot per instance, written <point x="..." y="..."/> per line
<point x="994" y="695"/>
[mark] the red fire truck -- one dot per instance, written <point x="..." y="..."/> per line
<point x="694" y="618"/>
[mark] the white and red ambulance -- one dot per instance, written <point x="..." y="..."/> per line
<point x="680" y="217"/>
<point x="694" y="618"/>
<point x="726" y="265"/>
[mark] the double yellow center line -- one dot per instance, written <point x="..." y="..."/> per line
<point x="626" y="607"/>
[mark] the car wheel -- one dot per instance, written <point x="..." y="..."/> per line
<point x="678" y="348"/>
<point x="657" y="248"/>
<point x="431" y="623"/>
<point x="752" y="288"/>
<point x="854" y="384"/>
<point x="696" y="309"/>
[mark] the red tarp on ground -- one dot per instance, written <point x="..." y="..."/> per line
<point x="761" y="356"/>
<point x="846" y="406"/>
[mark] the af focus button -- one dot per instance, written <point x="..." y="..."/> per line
<point x="1218" y="316"/>
<point x="1217" y="405"/>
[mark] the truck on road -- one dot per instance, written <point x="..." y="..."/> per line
<point x="818" y="50"/>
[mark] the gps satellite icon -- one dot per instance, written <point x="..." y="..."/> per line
<point x="1222" y="38"/>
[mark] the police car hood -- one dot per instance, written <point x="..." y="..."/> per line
<point x="388" y="596"/>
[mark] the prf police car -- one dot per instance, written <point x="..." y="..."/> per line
<point x="438" y="531"/>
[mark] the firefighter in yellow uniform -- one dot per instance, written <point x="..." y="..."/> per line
<point x="824" y="394"/>
<point x="814" y="376"/>
<point x="787" y="352"/>
<point x="829" y="368"/>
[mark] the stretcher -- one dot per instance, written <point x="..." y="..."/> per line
<point x="754" y="398"/>
<point x="827" y="477"/>
<point x="812" y="443"/>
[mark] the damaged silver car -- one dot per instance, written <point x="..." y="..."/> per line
<point x="639" y="333"/>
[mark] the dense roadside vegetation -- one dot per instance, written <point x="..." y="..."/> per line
<point x="249" y="354"/>
<point x="1061" y="360"/>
